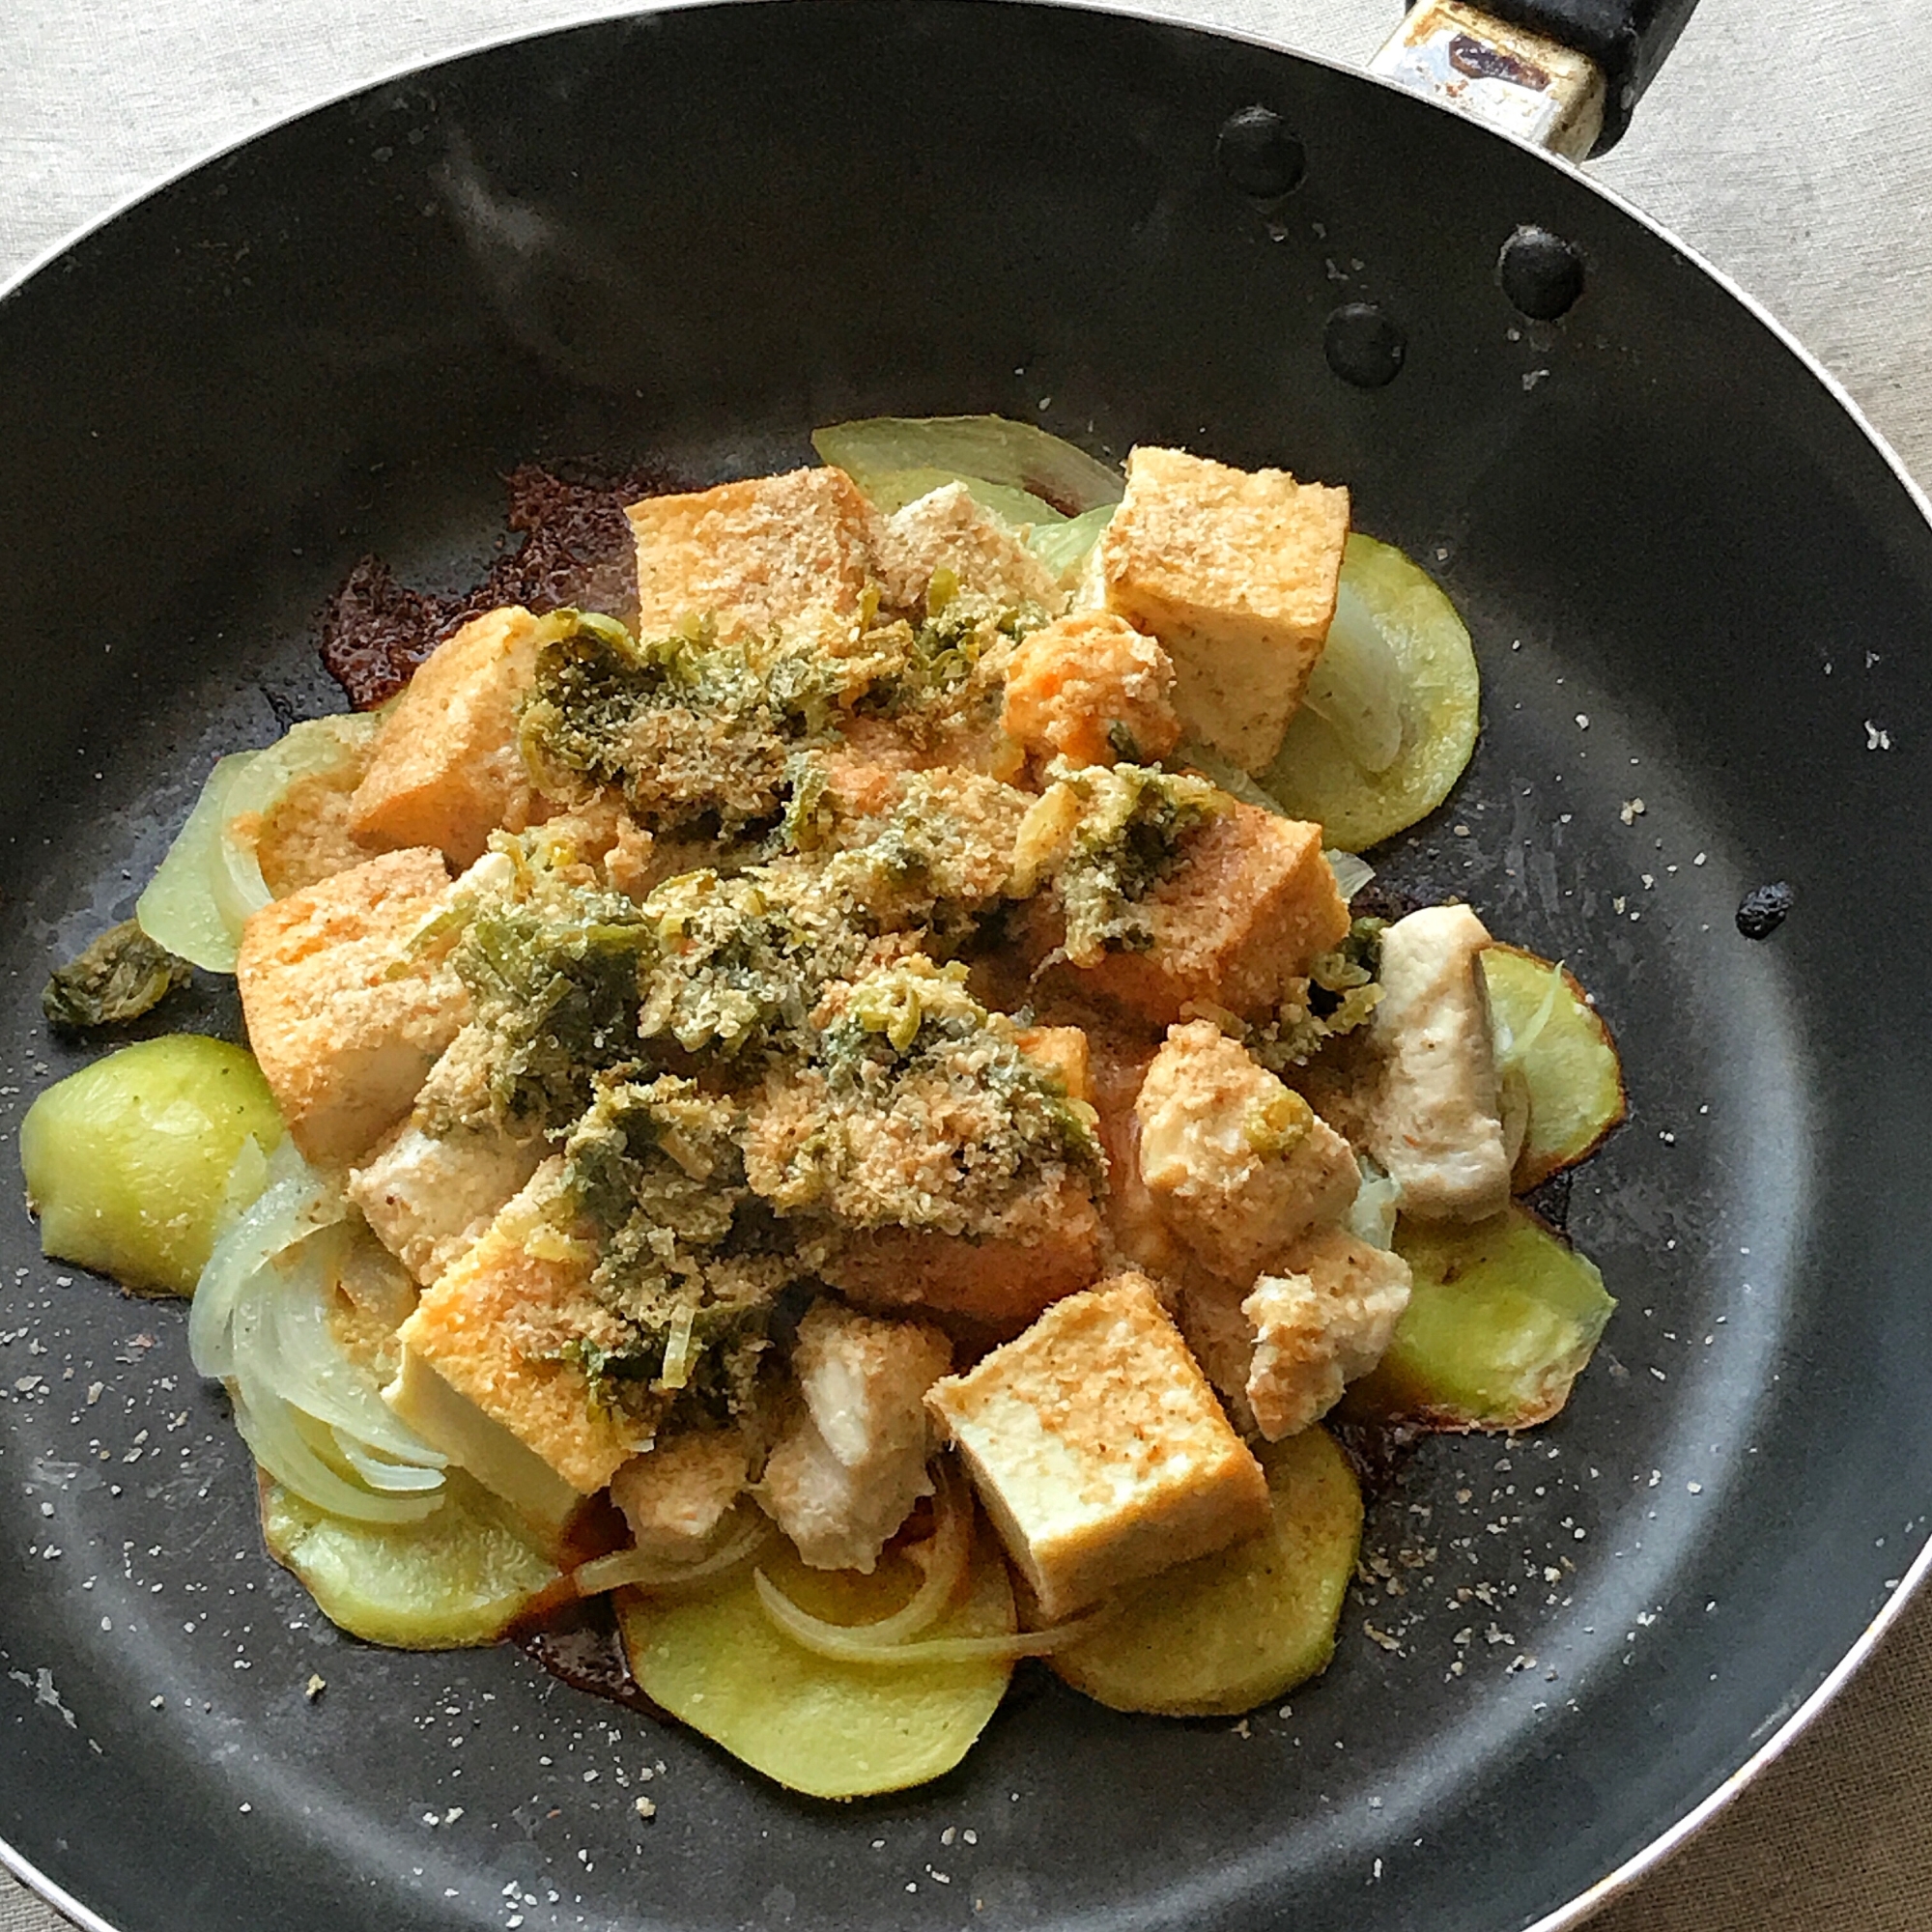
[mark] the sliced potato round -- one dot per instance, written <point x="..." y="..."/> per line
<point x="1235" y="1628"/>
<point x="1315" y="777"/>
<point x="456" y="1578"/>
<point x="825" y="1728"/>
<point x="1547" y="1030"/>
<point x="127" y="1162"/>
<point x="1501" y="1319"/>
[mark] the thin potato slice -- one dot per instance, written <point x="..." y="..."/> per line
<point x="1501" y="1319"/>
<point x="128" y="1162"/>
<point x="458" y="1578"/>
<point x="828" y="1729"/>
<point x="1564" y="1055"/>
<point x="1236" y="1628"/>
<point x="1314" y="775"/>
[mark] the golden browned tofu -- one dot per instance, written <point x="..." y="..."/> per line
<point x="1090" y="688"/>
<point x="501" y="1330"/>
<point x="345" y="1023"/>
<point x="948" y="529"/>
<point x="1050" y="1245"/>
<point x="1235" y="573"/>
<point x="307" y="835"/>
<point x="1098" y="1448"/>
<point x="790" y="554"/>
<point x="1246" y="909"/>
<point x="1241" y="1165"/>
<point x="446" y="771"/>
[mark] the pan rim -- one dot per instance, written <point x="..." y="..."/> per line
<point x="594" y="14"/>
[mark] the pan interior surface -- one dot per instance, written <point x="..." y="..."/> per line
<point x="1700" y="597"/>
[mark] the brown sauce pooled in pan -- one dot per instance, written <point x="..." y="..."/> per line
<point x="576" y="550"/>
<point x="578" y="1643"/>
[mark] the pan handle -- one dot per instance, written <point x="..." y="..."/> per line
<point x="1564" y="73"/>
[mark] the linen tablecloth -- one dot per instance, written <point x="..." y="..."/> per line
<point x="1793" y="149"/>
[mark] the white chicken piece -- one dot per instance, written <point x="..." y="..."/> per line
<point x="1238" y="1163"/>
<point x="1436" y="1125"/>
<point x="678" y="1491"/>
<point x="845" y="1473"/>
<point x="1281" y="1351"/>
<point x="428" y="1198"/>
<point x="1325" y="1318"/>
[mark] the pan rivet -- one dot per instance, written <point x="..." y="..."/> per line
<point x="1259" y="155"/>
<point x="1363" y="345"/>
<point x="1541" y="273"/>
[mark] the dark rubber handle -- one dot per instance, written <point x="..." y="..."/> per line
<point x="1628" y="39"/>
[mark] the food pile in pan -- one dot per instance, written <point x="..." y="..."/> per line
<point x="843" y="1099"/>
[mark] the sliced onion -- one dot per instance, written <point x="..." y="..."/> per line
<point x="277" y="1445"/>
<point x="178" y="908"/>
<point x="1370" y="1218"/>
<point x="942" y="1558"/>
<point x="677" y="1347"/>
<point x="211" y="880"/>
<point x="1356" y="688"/>
<point x="639" y="1571"/>
<point x="1022" y="456"/>
<point x="1352" y="871"/>
<point x="260" y="1321"/>
<point x="844" y="1644"/>
<point x="1512" y="1048"/>
<point x="1063" y="546"/>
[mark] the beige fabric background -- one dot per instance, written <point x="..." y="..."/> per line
<point x="1793" y="149"/>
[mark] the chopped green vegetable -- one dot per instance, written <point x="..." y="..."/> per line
<point x="1316" y="775"/>
<point x="1547" y="1030"/>
<point x="461" y="1577"/>
<point x="829" y="1729"/>
<point x="1019" y="456"/>
<point x="1239" y="1627"/>
<point x="121" y="976"/>
<point x="1107" y="836"/>
<point x="1501" y="1321"/>
<point x="128" y="1162"/>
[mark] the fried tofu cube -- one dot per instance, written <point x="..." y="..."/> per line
<point x="1090" y="688"/>
<point x="994" y="1281"/>
<point x="788" y="554"/>
<point x="1244" y="912"/>
<point x="499" y="1331"/>
<point x="1098" y="1448"/>
<point x="1240" y="1165"/>
<point x="852" y="1462"/>
<point x="1321" y="1316"/>
<point x="1236" y="572"/>
<point x="949" y="529"/>
<point x="678" y="1491"/>
<point x="445" y="771"/>
<point x="345" y="1023"/>
<point x="1436" y="1123"/>
<point x="428" y="1197"/>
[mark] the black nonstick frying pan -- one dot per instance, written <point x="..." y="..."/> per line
<point x="691" y="237"/>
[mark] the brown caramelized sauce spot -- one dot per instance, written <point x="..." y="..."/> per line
<point x="576" y="550"/>
<point x="578" y="1643"/>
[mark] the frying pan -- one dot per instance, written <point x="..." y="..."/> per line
<point x="692" y="235"/>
